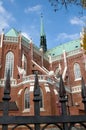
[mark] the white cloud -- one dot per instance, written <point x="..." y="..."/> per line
<point x="35" y="8"/>
<point x="5" y="17"/>
<point x="78" y="21"/>
<point x="64" y="36"/>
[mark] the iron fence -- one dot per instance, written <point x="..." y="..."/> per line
<point x="38" y="122"/>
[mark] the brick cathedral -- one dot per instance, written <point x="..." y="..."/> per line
<point x="24" y="59"/>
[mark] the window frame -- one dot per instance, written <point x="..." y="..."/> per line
<point x="26" y="99"/>
<point x="9" y="63"/>
<point x="77" y="71"/>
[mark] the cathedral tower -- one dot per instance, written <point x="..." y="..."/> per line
<point x="43" y="44"/>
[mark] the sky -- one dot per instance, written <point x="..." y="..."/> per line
<point x="25" y="15"/>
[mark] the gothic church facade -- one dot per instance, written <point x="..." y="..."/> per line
<point x="24" y="59"/>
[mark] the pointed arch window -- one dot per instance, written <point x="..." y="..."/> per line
<point x="9" y="63"/>
<point x="26" y="99"/>
<point x="41" y="95"/>
<point x="77" y="71"/>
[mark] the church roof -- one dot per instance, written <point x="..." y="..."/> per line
<point x="58" y="50"/>
<point x="25" y="39"/>
<point x="12" y="33"/>
<point x="68" y="47"/>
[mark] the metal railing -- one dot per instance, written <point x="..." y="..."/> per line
<point x="65" y="121"/>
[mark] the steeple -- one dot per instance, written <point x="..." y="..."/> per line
<point x="43" y="44"/>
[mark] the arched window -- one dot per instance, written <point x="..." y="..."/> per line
<point x="9" y="63"/>
<point x="41" y="95"/>
<point x="26" y="99"/>
<point x="77" y="71"/>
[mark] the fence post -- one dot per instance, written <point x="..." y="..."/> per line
<point x="83" y="93"/>
<point x="6" y="99"/>
<point x="36" y="100"/>
<point x="63" y="100"/>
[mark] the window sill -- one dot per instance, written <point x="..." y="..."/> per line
<point x="42" y="109"/>
<point x="78" y="79"/>
<point x="26" y="110"/>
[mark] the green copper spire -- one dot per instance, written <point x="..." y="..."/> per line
<point x="42" y="36"/>
<point x="42" y="26"/>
